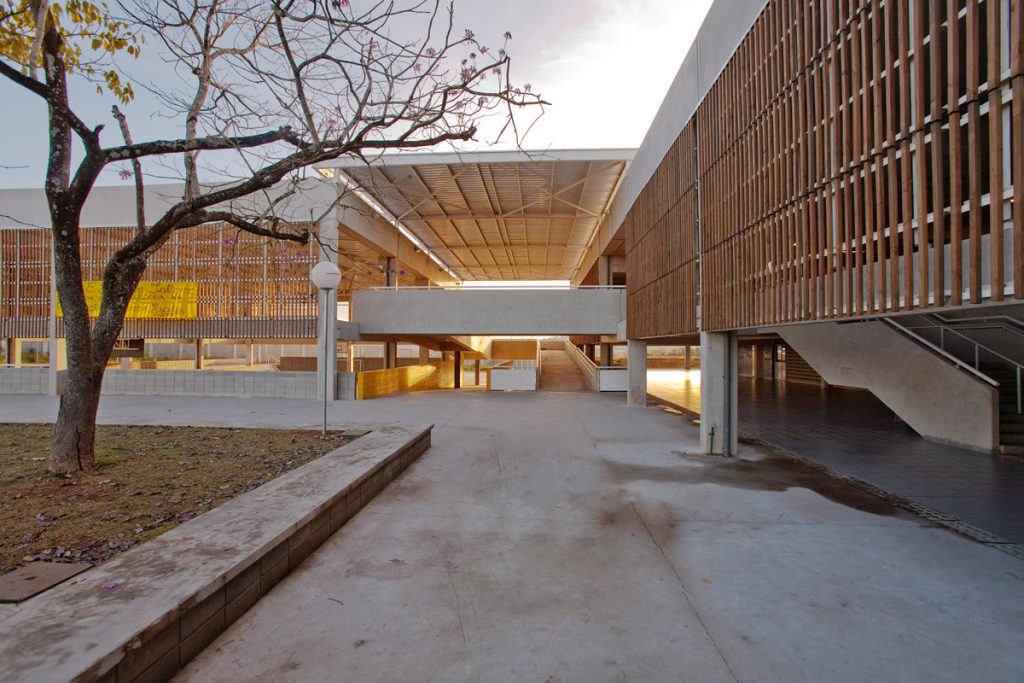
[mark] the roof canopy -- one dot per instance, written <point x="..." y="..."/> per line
<point x="498" y="215"/>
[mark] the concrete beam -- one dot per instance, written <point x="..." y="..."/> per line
<point x="347" y="331"/>
<point x="361" y="222"/>
<point x="403" y="312"/>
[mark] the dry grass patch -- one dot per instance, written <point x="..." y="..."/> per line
<point x="147" y="480"/>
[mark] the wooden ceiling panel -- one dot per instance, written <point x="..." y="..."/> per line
<point x="528" y="218"/>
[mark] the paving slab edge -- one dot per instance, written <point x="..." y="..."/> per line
<point x="144" y="614"/>
<point x="936" y="517"/>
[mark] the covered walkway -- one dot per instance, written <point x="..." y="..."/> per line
<point x="854" y="433"/>
<point x="564" y="537"/>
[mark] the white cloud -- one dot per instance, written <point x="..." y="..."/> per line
<point x="607" y="74"/>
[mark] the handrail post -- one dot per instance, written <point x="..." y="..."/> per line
<point x="1020" y="407"/>
<point x="945" y="354"/>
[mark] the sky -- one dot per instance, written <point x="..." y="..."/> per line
<point x="605" y="66"/>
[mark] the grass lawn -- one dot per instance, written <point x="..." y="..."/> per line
<point x="146" y="480"/>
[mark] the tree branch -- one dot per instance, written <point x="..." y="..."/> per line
<point x="250" y="227"/>
<point x="140" y="197"/>
<point x="44" y="91"/>
<point x="24" y="81"/>
<point x="159" y="147"/>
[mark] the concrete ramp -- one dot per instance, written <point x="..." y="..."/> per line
<point x="938" y="400"/>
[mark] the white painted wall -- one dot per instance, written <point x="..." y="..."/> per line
<point x="114" y="205"/>
<point x="938" y="400"/>
<point x="513" y="380"/>
<point x="613" y="380"/>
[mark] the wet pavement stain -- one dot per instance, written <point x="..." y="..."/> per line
<point x="772" y="473"/>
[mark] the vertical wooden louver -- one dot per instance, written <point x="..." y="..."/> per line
<point x="854" y="157"/>
<point x="248" y="286"/>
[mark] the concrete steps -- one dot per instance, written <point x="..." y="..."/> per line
<point x="1011" y="422"/>
<point x="559" y="372"/>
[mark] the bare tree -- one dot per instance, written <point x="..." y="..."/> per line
<point x="268" y="89"/>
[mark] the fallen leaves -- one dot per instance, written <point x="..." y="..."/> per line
<point x="147" y="480"/>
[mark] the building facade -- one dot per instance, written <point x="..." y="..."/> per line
<point x="829" y="184"/>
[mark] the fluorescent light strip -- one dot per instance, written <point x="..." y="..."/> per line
<point x="351" y="186"/>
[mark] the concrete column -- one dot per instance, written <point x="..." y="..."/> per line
<point x="250" y="359"/>
<point x="14" y="350"/>
<point x="718" y="397"/>
<point x="326" y="345"/>
<point x="686" y="357"/>
<point x="390" y="355"/>
<point x="604" y="270"/>
<point x="607" y="351"/>
<point x="588" y="350"/>
<point x="458" y="369"/>
<point x="390" y="271"/>
<point x="55" y="349"/>
<point x="390" y="280"/>
<point x="58" y="362"/>
<point x="755" y="355"/>
<point x="199" y="354"/>
<point x="476" y="372"/>
<point x="636" y="395"/>
<point x="424" y="355"/>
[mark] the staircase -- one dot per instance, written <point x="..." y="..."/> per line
<point x="559" y="372"/>
<point x="1011" y="419"/>
<point x="992" y="346"/>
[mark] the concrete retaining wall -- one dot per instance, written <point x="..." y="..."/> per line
<point x="209" y="383"/>
<point x="145" y="614"/>
<point x="186" y="383"/>
<point x="23" y="380"/>
<point x="377" y="383"/>
<point x="938" y="401"/>
<point x="504" y="379"/>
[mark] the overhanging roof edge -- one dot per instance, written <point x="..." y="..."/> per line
<point x="484" y="157"/>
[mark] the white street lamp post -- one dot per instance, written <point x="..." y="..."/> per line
<point x="325" y="277"/>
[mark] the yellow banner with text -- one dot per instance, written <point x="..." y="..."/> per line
<point x="163" y="300"/>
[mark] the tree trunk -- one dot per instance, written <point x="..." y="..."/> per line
<point x="74" y="434"/>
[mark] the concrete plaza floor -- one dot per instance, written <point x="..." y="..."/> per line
<point x="564" y="537"/>
<point x="852" y="432"/>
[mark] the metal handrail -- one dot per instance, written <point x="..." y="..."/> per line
<point x="1014" y="324"/>
<point x="575" y="350"/>
<point x="992" y="323"/>
<point x="977" y="358"/>
<point x="977" y="361"/>
<point x="979" y="345"/>
<point x="588" y="366"/>
<point x="966" y="367"/>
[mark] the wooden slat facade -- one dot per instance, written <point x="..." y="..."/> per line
<point x="661" y="247"/>
<point x="248" y="286"/>
<point x="854" y="158"/>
